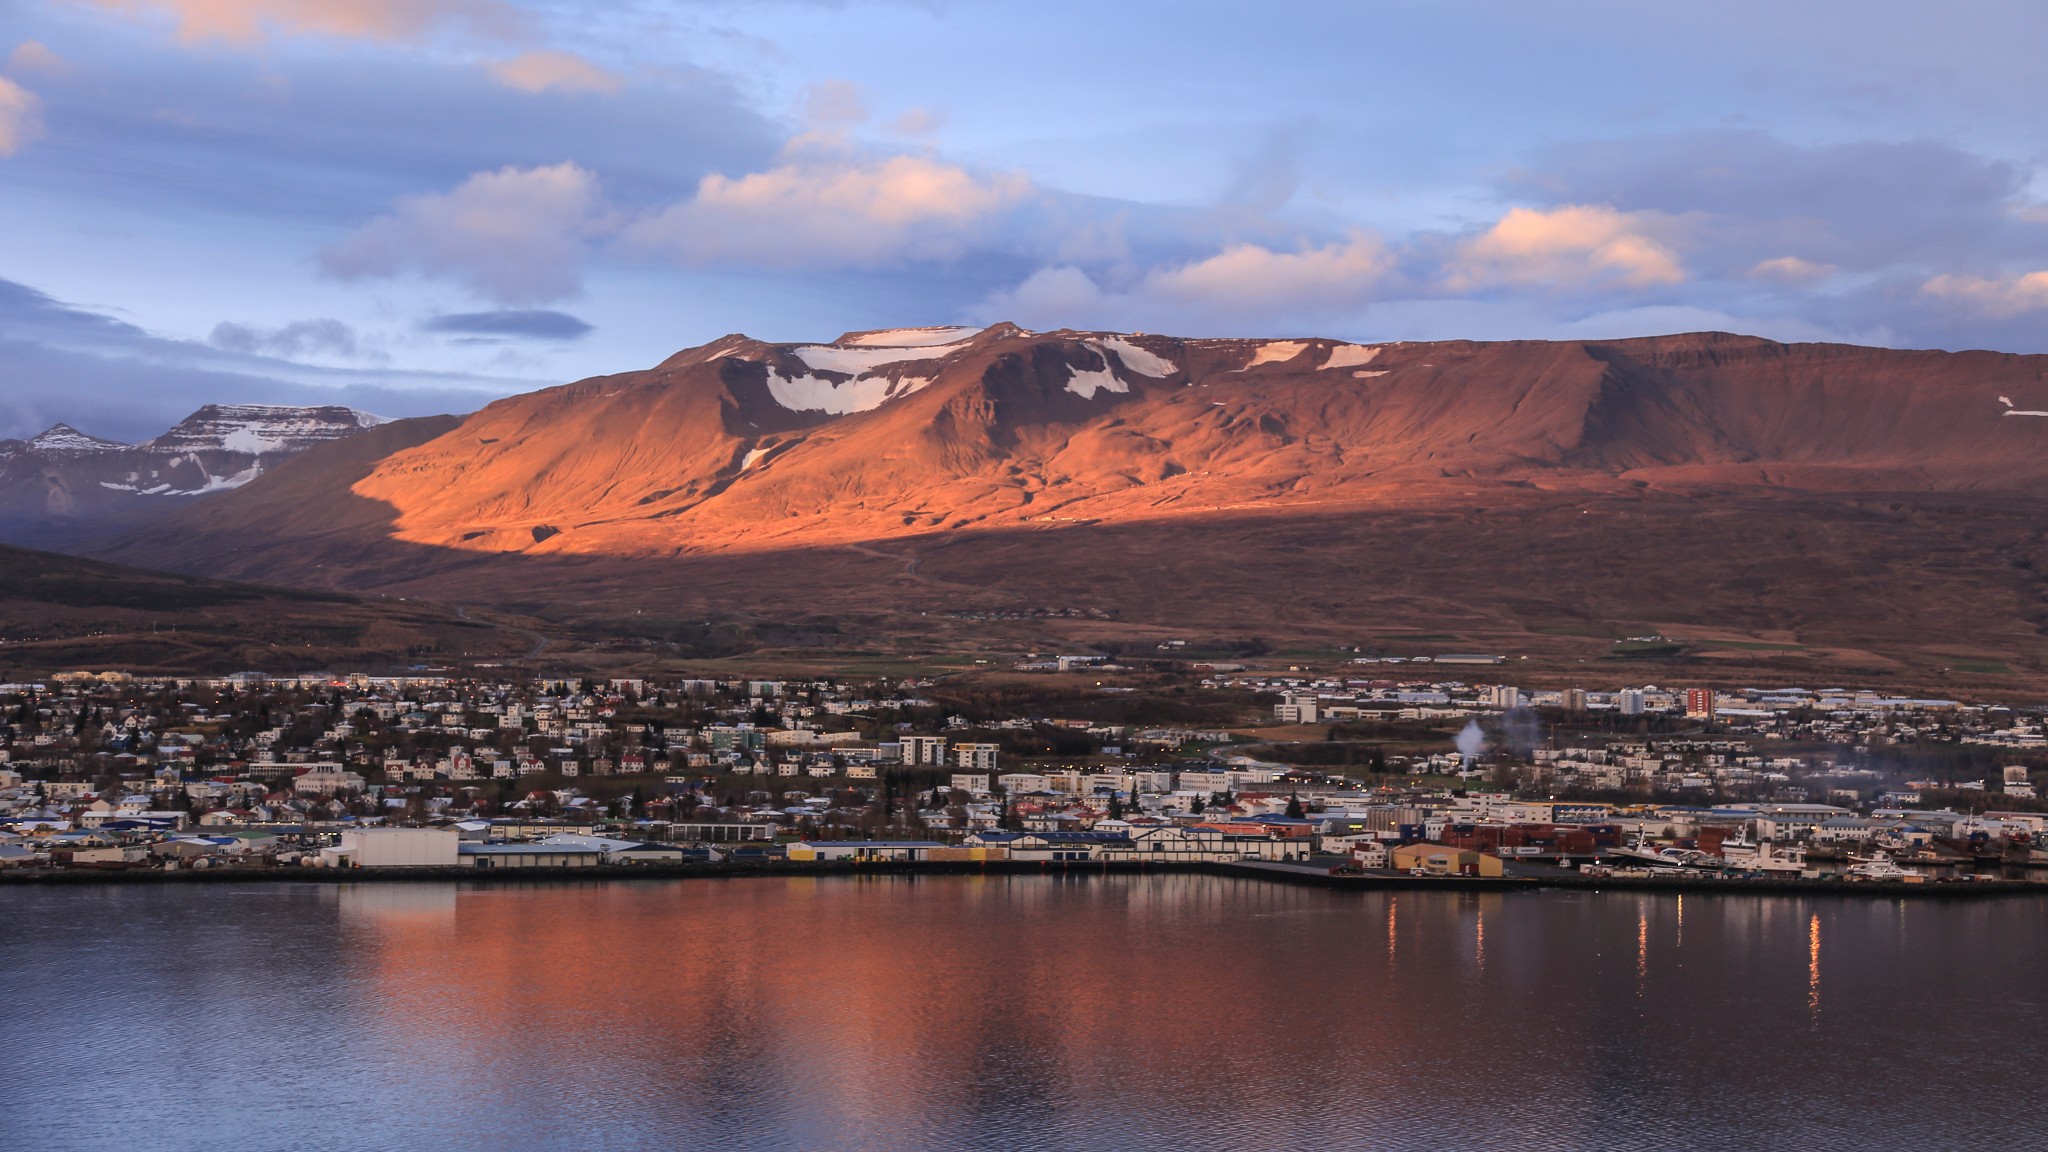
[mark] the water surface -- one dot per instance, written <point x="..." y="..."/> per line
<point x="1186" y="1012"/>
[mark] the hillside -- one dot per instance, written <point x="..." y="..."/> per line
<point x="1862" y="504"/>
<point x="60" y="612"/>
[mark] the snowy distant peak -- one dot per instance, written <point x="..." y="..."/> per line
<point x="262" y="429"/>
<point x="63" y="439"/>
<point x="909" y="337"/>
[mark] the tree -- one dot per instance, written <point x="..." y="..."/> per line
<point x="1294" y="808"/>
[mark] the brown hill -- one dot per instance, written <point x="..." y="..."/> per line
<point x="1873" y="504"/>
<point x="61" y="613"/>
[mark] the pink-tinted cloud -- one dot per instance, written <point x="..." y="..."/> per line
<point x="21" y="117"/>
<point x="1790" y="270"/>
<point x="1260" y="277"/>
<point x="32" y="57"/>
<point x="830" y="211"/>
<point x="1574" y="245"/>
<point x="1999" y="296"/>
<point x="249" y="21"/>
<point x="554" y="72"/>
<point x="516" y="235"/>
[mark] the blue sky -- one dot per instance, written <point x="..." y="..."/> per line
<point x="416" y="205"/>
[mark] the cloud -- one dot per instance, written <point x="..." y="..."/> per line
<point x="1575" y="245"/>
<point x="60" y="362"/>
<point x="34" y="57"/>
<point x="1749" y="196"/>
<point x="834" y="105"/>
<point x="21" y="117"/>
<point x="298" y="338"/>
<point x="1999" y="297"/>
<point x="554" y="72"/>
<point x="516" y="235"/>
<point x="1256" y="277"/>
<point x="389" y="21"/>
<point x="823" y="211"/>
<point x="1243" y="288"/>
<point x="1790" y="270"/>
<point x="530" y="324"/>
<point x="919" y="121"/>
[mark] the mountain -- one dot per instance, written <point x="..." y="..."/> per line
<point x="1857" y="503"/>
<point x="66" y="477"/>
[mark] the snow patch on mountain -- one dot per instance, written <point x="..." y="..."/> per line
<point x="857" y="361"/>
<point x="1350" y="356"/>
<point x="911" y="337"/>
<point x="1276" y="352"/>
<point x="65" y="440"/>
<point x="809" y="393"/>
<point x="1137" y="359"/>
<point x="1088" y="383"/>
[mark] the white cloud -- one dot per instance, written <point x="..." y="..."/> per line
<point x="21" y="117"/>
<point x="823" y="210"/>
<point x="2001" y="297"/>
<point x="554" y="72"/>
<point x="516" y="236"/>
<point x="1573" y="245"/>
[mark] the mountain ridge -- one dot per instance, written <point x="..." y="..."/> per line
<point x="1307" y="487"/>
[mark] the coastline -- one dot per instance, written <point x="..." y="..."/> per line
<point x="1270" y="872"/>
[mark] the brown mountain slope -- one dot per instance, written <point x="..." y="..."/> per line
<point x="60" y="613"/>
<point x="1302" y="487"/>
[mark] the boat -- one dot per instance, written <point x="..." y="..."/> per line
<point x="1744" y="856"/>
<point x="1881" y="867"/>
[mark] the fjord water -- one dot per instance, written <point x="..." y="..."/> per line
<point x="1173" y="1011"/>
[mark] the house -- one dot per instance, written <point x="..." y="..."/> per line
<point x="1174" y="843"/>
<point x="1055" y="846"/>
<point x="862" y="851"/>
<point x="527" y="856"/>
<point x="394" y="848"/>
<point x="1444" y="860"/>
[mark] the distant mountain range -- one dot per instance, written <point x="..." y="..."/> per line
<point x="1852" y="505"/>
<point x="64" y="475"/>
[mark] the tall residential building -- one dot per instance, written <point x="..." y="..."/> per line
<point x="1631" y="701"/>
<point x="924" y="750"/>
<point x="1296" y="708"/>
<point x="975" y="757"/>
<point x="1575" y="699"/>
<point x="1699" y="703"/>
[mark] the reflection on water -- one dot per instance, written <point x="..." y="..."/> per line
<point x="1028" y="1013"/>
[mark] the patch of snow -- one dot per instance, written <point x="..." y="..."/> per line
<point x="221" y="483"/>
<point x="65" y="438"/>
<point x="856" y="361"/>
<point x="865" y="392"/>
<point x="1137" y="359"/>
<point x="1087" y="384"/>
<point x="753" y="457"/>
<point x="913" y="337"/>
<point x="1370" y="375"/>
<point x="1276" y="352"/>
<point x="1351" y="356"/>
<point x="809" y="393"/>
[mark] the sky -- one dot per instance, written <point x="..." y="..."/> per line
<point x="416" y="206"/>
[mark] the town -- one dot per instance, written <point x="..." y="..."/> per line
<point x="1065" y="761"/>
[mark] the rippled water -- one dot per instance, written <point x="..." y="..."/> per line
<point x="1184" y="1012"/>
